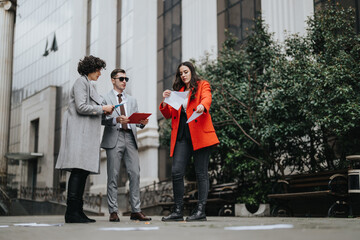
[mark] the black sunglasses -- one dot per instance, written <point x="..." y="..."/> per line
<point x="122" y="79"/>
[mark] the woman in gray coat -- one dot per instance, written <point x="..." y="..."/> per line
<point x="80" y="136"/>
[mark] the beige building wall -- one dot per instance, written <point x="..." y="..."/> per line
<point x="40" y="107"/>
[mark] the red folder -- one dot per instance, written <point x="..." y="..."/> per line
<point x="136" y="117"/>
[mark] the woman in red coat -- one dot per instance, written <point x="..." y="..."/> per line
<point x="192" y="139"/>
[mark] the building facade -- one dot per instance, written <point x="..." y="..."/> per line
<point x="147" y="38"/>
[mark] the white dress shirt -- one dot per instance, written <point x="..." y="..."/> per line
<point x="123" y="97"/>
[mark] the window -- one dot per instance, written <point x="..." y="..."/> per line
<point x="171" y="47"/>
<point x="237" y="16"/>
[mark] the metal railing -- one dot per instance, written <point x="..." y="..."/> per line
<point x="5" y="202"/>
<point x="160" y="192"/>
<point x="92" y="202"/>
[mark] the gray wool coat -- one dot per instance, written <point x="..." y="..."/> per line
<point x="81" y="129"/>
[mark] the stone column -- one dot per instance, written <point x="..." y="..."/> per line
<point x="144" y="84"/>
<point x="199" y="29"/>
<point x="7" y="20"/>
<point x="286" y="15"/>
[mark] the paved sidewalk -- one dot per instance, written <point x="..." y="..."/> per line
<point x="214" y="228"/>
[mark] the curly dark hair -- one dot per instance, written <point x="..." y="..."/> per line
<point x="90" y="64"/>
<point x="178" y="84"/>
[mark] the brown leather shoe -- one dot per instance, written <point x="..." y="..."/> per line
<point x="140" y="216"/>
<point x="114" y="217"/>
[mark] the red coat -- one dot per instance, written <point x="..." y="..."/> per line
<point x="201" y="129"/>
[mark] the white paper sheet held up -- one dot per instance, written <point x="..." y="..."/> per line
<point x="176" y="99"/>
<point x="194" y="116"/>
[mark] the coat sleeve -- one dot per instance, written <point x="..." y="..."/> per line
<point x="107" y="120"/>
<point x="166" y="111"/>
<point x="205" y="95"/>
<point x="81" y="96"/>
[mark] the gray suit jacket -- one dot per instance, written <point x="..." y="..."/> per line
<point x="81" y="129"/>
<point x="110" y="132"/>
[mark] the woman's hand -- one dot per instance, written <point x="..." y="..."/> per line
<point x="166" y="94"/>
<point x="200" y="108"/>
<point x="108" y="109"/>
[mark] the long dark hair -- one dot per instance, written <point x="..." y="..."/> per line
<point x="178" y="84"/>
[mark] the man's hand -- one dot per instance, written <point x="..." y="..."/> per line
<point x="122" y="119"/>
<point x="144" y="122"/>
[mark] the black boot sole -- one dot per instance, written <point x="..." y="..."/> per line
<point x="172" y="220"/>
<point x="76" y="219"/>
<point x="196" y="220"/>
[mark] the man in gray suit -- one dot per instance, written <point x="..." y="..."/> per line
<point x="120" y="142"/>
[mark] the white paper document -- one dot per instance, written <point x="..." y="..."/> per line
<point x="129" y="229"/>
<point x="260" y="227"/>
<point x="194" y="116"/>
<point x="176" y="99"/>
<point x="38" y="224"/>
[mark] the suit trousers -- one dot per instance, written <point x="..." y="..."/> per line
<point x="182" y="154"/>
<point x="127" y="151"/>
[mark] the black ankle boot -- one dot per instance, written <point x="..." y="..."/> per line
<point x="198" y="213"/>
<point x="73" y="213"/>
<point x="176" y="215"/>
<point x="83" y="214"/>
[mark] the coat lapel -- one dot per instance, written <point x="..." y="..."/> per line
<point x="128" y="110"/>
<point x="94" y="95"/>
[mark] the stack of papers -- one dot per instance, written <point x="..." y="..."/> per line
<point x="176" y="99"/>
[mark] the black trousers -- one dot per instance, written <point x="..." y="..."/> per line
<point x="182" y="154"/>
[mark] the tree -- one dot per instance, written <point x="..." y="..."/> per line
<point x="285" y="109"/>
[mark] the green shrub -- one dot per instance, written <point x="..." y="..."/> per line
<point x="285" y="109"/>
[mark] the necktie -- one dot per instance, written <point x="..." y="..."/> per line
<point x="122" y="112"/>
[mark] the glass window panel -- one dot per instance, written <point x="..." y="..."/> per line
<point x="235" y="20"/>
<point x="167" y="5"/>
<point x="248" y="14"/>
<point x="176" y="55"/>
<point x="168" y="82"/>
<point x="358" y="16"/>
<point x="176" y="22"/>
<point x="167" y="28"/>
<point x="232" y="2"/>
<point x="167" y="61"/>
<point x="348" y="3"/>
<point x="171" y="46"/>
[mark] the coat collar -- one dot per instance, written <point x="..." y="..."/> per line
<point x="93" y="93"/>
